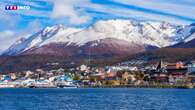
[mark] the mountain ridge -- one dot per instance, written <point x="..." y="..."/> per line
<point x="157" y="34"/>
<point x="104" y="43"/>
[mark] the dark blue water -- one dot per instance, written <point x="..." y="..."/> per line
<point x="97" y="99"/>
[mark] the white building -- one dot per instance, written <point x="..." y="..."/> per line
<point x="191" y="67"/>
<point x="83" y="67"/>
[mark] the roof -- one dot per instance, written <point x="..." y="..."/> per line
<point x="192" y="73"/>
<point x="176" y="70"/>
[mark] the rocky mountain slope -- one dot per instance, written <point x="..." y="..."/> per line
<point x="104" y="43"/>
<point x="144" y="34"/>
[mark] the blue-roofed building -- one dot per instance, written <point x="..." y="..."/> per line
<point x="64" y="77"/>
<point x="64" y="81"/>
<point x="6" y="78"/>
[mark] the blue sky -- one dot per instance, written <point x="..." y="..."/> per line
<point x="83" y="13"/>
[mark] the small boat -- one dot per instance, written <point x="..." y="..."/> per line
<point x="70" y="87"/>
<point x="66" y="85"/>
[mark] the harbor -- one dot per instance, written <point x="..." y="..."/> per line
<point x="159" y="75"/>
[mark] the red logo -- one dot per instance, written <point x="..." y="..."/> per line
<point x="14" y="7"/>
<point x="11" y="7"/>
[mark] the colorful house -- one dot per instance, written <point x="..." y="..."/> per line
<point x="169" y="72"/>
<point x="191" y="77"/>
<point x="191" y="66"/>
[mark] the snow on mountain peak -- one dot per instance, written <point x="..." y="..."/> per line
<point x="38" y="39"/>
<point x="188" y="34"/>
<point x="159" y="34"/>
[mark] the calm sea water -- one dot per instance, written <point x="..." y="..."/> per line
<point x="97" y="99"/>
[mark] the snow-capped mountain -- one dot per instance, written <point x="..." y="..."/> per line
<point x="39" y="38"/>
<point x="130" y="34"/>
<point x="188" y="33"/>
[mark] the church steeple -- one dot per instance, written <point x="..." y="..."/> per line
<point x="161" y="66"/>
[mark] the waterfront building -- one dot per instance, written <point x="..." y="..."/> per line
<point x="123" y="75"/>
<point x="28" y="73"/>
<point x="177" y="72"/>
<point x="169" y="72"/>
<point x="159" y="74"/>
<point x="161" y="67"/>
<point x="110" y="76"/>
<point x="132" y="78"/>
<point x="191" y="67"/>
<point x="161" y="77"/>
<point x="120" y="67"/>
<point x="98" y="76"/>
<point x="28" y="82"/>
<point x="13" y="76"/>
<point x="64" y="80"/>
<point x="177" y="65"/>
<point x="6" y="78"/>
<point x="191" y="77"/>
<point x="1" y="77"/>
<point x="43" y="83"/>
<point x="6" y="84"/>
<point x="83" y="68"/>
<point x="60" y="71"/>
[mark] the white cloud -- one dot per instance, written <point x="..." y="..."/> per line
<point x="33" y="26"/>
<point x="6" y="38"/>
<point x="66" y="8"/>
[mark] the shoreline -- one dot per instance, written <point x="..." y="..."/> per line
<point x="122" y="86"/>
<point x="145" y="86"/>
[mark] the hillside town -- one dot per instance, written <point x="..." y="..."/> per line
<point x="161" y="74"/>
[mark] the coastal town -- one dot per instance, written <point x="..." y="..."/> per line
<point x="159" y="75"/>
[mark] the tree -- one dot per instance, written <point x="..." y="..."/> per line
<point x="92" y="79"/>
<point x="77" y="77"/>
<point x="139" y="75"/>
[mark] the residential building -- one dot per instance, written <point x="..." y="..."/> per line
<point x="191" y="67"/>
